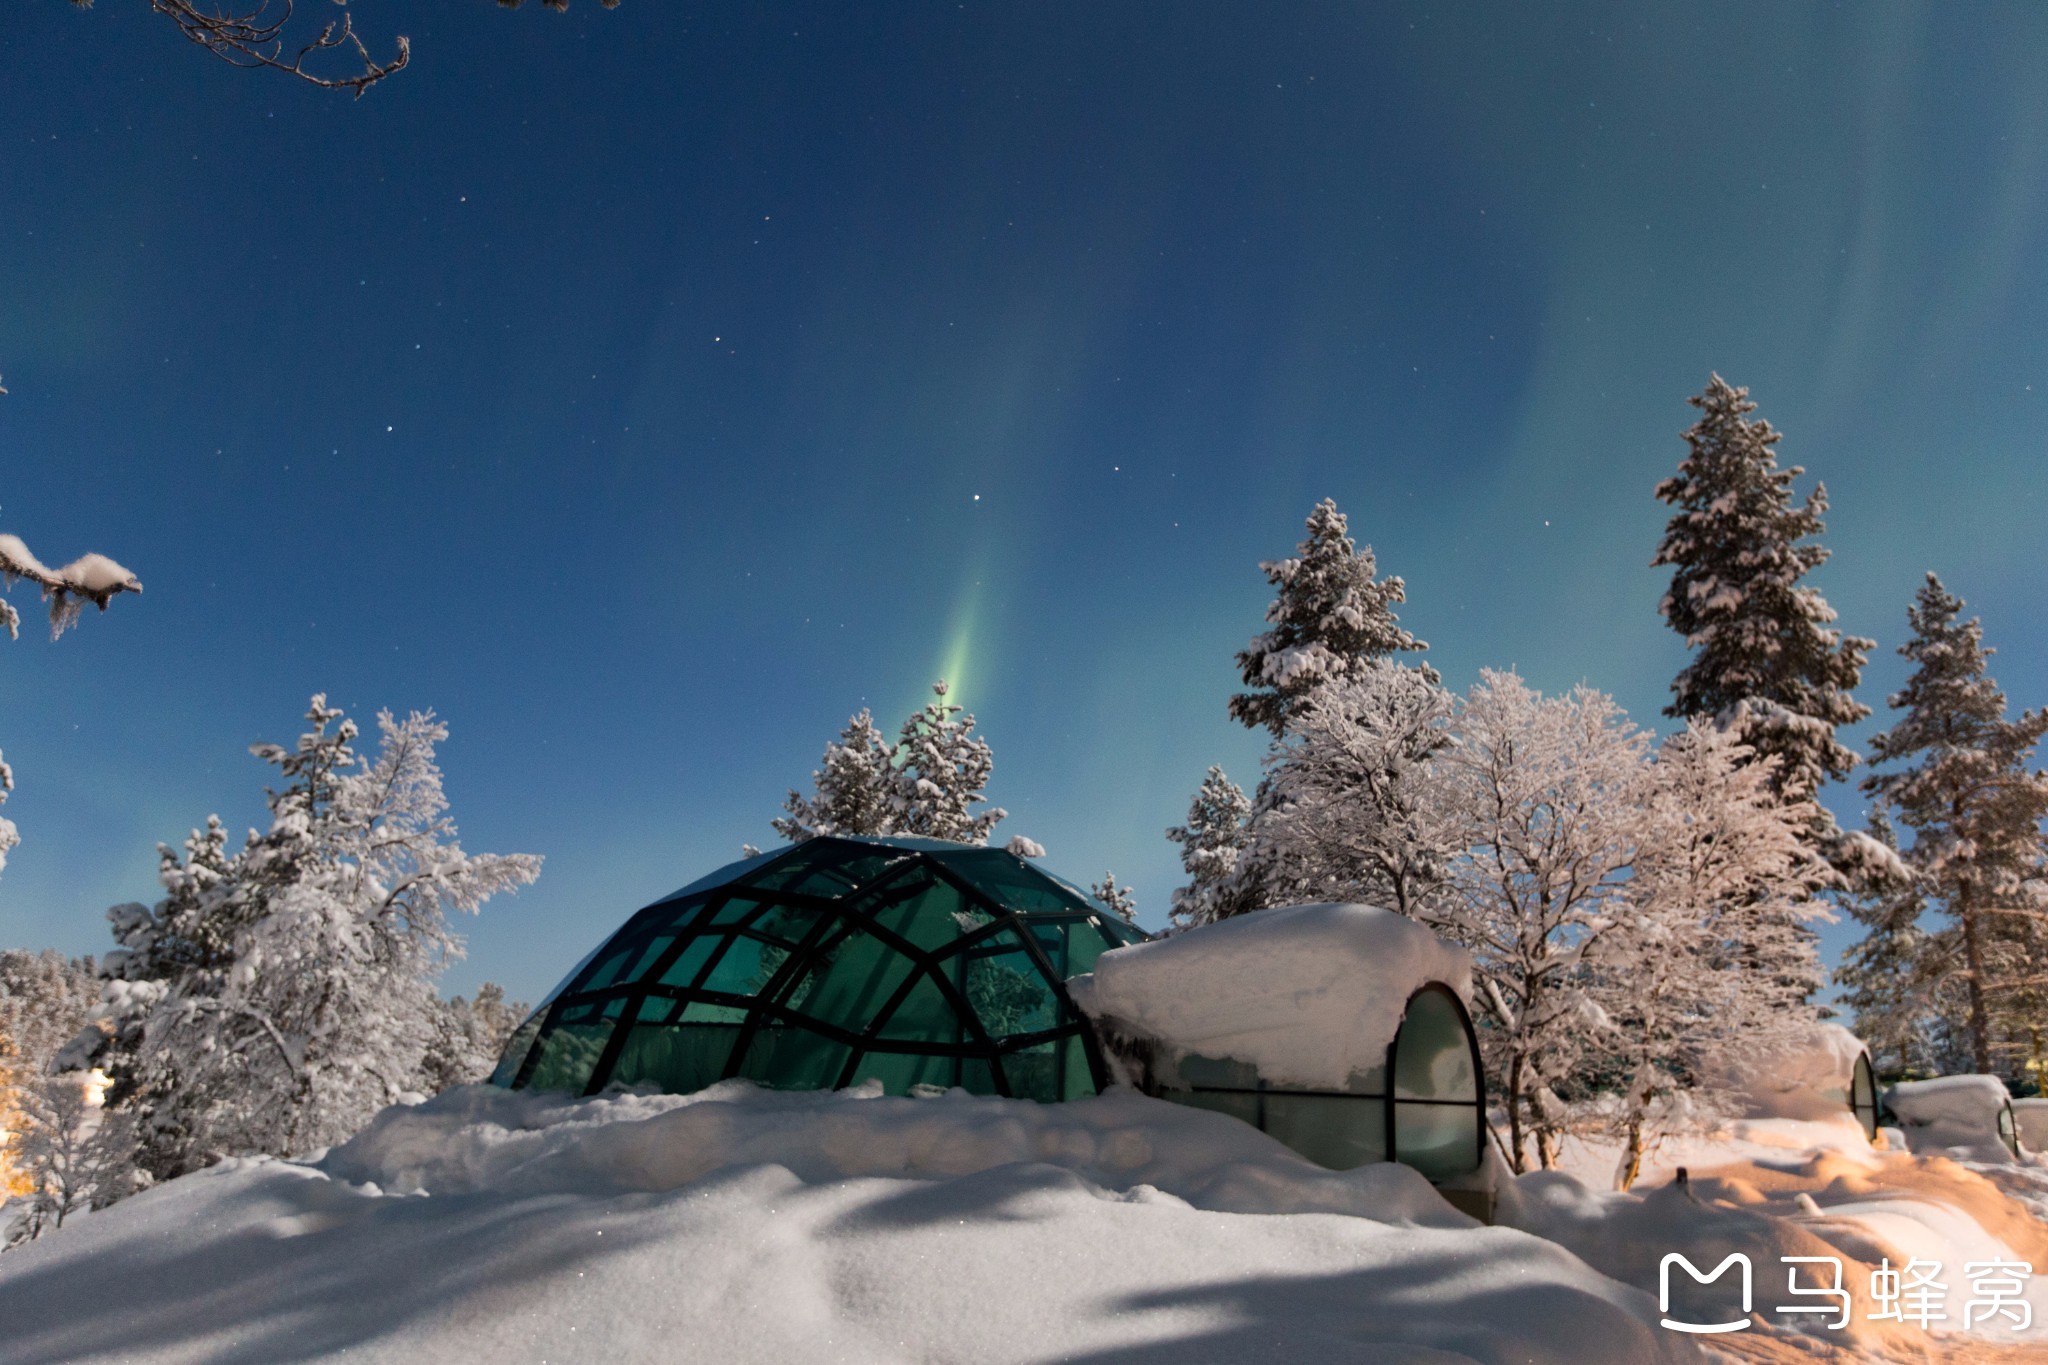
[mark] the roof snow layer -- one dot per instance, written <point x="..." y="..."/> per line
<point x="1309" y="994"/>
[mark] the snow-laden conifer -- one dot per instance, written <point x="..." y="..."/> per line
<point x="1211" y="842"/>
<point x="468" y="1037"/>
<point x="1120" y="899"/>
<point x="853" y="788"/>
<point x="941" y="770"/>
<point x="1329" y="618"/>
<point x="1958" y="773"/>
<point x="1884" y="977"/>
<point x="277" y="998"/>
<point x="1765" y="658"/>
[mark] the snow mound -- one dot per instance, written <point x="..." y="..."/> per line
<point x="760" y="1226"/>
<point x="1309" y="994"/>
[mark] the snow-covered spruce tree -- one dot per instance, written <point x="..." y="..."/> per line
<point x="320" y="1009"/>
<point x="1883" y="977"/>
<point x="1707" y="956"/>
<point x="942" y="767"/>
<point x="1118" y="898"/>
<point x="1958" y="774"/>
<point x="1552" y="790"/>
<point x="1352" y="806"/>
<point x="1330" y="617"/>
<point x="853" y="788"/>
<point x="1211" y="842"/>
<point x="1765" y="658"/>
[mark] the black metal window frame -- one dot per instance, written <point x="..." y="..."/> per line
<point x="1387" y="1098"/>
<point x="690" y="918"/>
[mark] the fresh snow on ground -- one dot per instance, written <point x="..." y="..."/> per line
<point x="741" y="1224"/>
<point x="744" y="1225"/>
<point x="1309" y="994"/>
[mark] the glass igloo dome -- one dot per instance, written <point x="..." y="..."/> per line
<point x="914" y="962"/>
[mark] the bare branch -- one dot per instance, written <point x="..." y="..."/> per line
<point x="256" y="38"/>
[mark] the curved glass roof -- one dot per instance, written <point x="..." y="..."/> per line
<point x="914" y="962"/>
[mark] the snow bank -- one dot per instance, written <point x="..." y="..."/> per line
<point x="744" y="1225"/>
<point x="1308" y="994"/>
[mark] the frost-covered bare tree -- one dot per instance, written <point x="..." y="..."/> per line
<point x="1707" y="954"/>
<point x="263" y="35"/>
<point x="1553" y="792"/>
<point x="1353" y="806"/>
<point x="57" y="1155"/>
<point x="277" y="998"/>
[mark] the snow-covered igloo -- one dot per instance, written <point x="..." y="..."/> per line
<point x="1341" y="1030"/>
<point x="913" y="962"/>
<point x="1973" y="1113"/>
<point x="1813" y="1073"/>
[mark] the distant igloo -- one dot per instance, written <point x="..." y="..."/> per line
<point x="913" y="962"/>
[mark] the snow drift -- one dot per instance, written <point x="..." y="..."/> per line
<point x="760" y="1226"/>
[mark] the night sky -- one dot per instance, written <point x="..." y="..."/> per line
<point x="646" y="390"/>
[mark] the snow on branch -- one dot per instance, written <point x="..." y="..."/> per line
<point x="89" y="578"/>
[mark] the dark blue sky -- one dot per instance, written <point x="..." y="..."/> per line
<point x="646" y="390"/>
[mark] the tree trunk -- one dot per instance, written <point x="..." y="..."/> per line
<point x="1632" y="1153"/>
<point x="1515" y="1156"/>
<point x="1980" y="1027"/>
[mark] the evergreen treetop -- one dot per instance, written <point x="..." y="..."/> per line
<point x="1329" y="618"/>
<point x="1765" y="657"/>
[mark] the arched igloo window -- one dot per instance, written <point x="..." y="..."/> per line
<point x="910" y="961"/>
<point x="1424" y="1107"/>
<point x="1438" y="1120"/>
<point x="1863" y="1095"/>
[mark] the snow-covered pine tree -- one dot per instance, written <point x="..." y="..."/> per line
<point x="1765" y="658"/>
<point x="469" y="1036"/>
<point x="1883" y="976"/>
<point x="853" y="788"/>
<point x="1121" y="899"/>
<point x="1351" y="806"/>
<point x="1709" y="954"/>
<point x="1958" y="774"/>
<point x="1552" y="790"/>
<point x="942" y="767"/>
<point x="1211" y="842"/>
<point x="1329" y="618"/>
<point x="320" y="1009"/>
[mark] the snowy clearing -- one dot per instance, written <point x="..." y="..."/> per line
<point x="740" y="1224"/>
